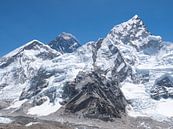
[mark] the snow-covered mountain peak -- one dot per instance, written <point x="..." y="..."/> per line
<point x="135" y="16"/>
<point x="66" y="36"/>
<point x="136" y="19"/>
<point x="34" y="41"/>
<point x="65" y="43"/>
<point x="36" y="74"/>
<point x="20" y="65"/>
<point x="134" y="23"/>
<point x="132" y="31"/>
<point x="32" y="45"/>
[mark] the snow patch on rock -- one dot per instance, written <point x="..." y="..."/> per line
<point x="45" y="109"/>
<point x="4" y="120"/>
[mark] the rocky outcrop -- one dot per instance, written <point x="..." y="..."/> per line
<point x="92" y="95"/>
<point x="163" y="87"/>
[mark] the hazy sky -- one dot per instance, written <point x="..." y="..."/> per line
<point x="25" y="20"/>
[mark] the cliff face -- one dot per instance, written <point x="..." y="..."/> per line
<point x="92" y="95"/>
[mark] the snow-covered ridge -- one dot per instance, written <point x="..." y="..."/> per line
<point x="35" y="73"/>
<point x="133" y="32"/>
<point x="19" y="66"/>
<point x="31" y="43"/>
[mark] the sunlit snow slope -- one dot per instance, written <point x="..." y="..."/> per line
<point x="150" y="59"/>
<point x="36" y="73"/>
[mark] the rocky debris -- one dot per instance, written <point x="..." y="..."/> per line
<point x="163" y="87"/>
<point x="21" y="122"/>
<point x="92" y="95"/>
<point x="83" y="123"/>
<point x="65" y="43"/>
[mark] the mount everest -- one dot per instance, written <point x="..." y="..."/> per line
<point x="127" y="72"/>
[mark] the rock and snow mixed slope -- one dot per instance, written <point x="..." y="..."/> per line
<point x="94" y="96"/>
<point x="18" y="67"/>
<point x="65" y="43"/>
<point x="150" y="59"/>
<point x="139" y="62"/>
<point x="43" y="90"/>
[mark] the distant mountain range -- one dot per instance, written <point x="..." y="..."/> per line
<point x="130" y="71"/>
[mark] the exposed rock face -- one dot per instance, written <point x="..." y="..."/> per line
<point x="65" y="43"/>
<point x="92" y="95"/>
<point x="163" y="87"/>
<point x="110" y="60"/>
<point x="37" y="83"/>
<point x="165" y="80"/>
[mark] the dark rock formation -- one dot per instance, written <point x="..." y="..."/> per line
<point x="163" y="87"/>
<point x="65" y="43"/>
<point x="92" y="95"/>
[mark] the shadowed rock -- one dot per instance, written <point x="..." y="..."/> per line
<point x="64" y="43"/>
<point x="163" y="87"/>
<point x="92" y="95"/>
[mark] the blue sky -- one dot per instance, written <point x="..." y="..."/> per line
<point x="25" y="20"/>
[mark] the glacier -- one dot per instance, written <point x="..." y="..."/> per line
<point x="35" y="73"/>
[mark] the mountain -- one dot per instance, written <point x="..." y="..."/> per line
<point x="150" y="60"/>
<point x="18" y="67"/>
<point x="127" y="72"/>
<point x="65" y="43"/>
<point x="94" y="96"/>
<point x="44" y="87"/>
